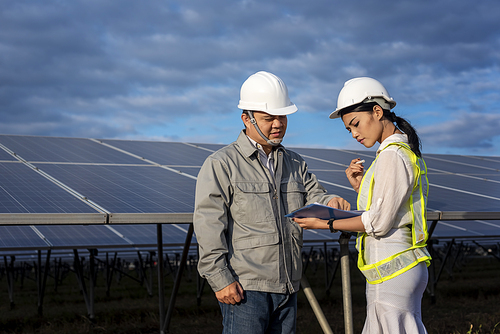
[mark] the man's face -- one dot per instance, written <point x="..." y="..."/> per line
<point x="273" y="127"/>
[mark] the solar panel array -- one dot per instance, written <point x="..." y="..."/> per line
<point x="80" y="182"/>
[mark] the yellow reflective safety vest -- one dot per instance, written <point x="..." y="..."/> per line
<point x="403" y="261"/>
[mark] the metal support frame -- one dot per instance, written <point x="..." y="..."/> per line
<point x="346" y="282"/>
<point x="110" y="270"/>
<point x="177" y="282"/>
<point x="311" y="298"/>
<point x="41" y="279"/>
<point x="200" y="286"/>
<point x="325" y="326"/>
<point x="445" y="258"/>
<point x="346" y="286"/>
<point x="431" y="286"/>
<point x="145" y="278"/>
<point x="58" y="273"/>
<point x="165" y="319"/>
<point x="488" y="251"/>
<point x="200" y="283"/>
<point x="41" y="272"/>
<point x="9" y="273"/>
<point x="88" y="296"/>
<point x="114" y="268"/>
<point x="335" y="264"/>
<point x="172" y="270"/>
<point x="458" y="252"/>
<point x="306" y="260"/>
<point x="161" y="277"/>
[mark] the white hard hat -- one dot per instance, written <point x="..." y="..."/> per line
<point x="263" y="91"/>
<point x="362" y="90"/>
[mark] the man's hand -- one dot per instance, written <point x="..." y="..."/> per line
<point x="339" y="203"/>
<point x="231" y="294"/>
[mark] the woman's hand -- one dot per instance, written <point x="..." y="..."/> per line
<point x="311" y="223"/>
<point x="355" y="173"/>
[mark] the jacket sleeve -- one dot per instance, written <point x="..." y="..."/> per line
<point x="211" y="216"/>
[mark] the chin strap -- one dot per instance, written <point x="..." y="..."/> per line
<point x="272" y="142"/>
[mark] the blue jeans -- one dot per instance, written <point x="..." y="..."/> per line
<point x="261" y="312"/>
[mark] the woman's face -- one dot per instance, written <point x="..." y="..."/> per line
<point x="365" y="127"/>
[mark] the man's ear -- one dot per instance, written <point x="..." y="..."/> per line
<point x="245" y="119"/>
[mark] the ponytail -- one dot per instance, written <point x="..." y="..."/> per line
<point x="405" y="127"/>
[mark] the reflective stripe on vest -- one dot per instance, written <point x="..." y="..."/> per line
<point x="403" y="261"/>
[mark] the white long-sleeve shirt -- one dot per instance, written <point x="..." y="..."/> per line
<point x="394" y="179"/>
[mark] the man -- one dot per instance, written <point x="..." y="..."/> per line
<point x="250" y="253"/>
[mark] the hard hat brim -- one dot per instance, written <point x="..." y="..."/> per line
<point x="263" y="107"/>
<point x="384" y="102"/>
<point x="283" y="111"/>
<point x="335" y="114"/>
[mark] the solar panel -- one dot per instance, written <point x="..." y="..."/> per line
<point x="173" y="234"/>
<point x="112" y="174"/>
<point x="450" y="199"/>
<point x="462" y="163"/>
<point x="129" y="189"/>
<point x="163" y="153"/>
<point x="466" y="229"/>
<point x="75" y="150"/>
<point x="16" y="240"/>
<point x="24" y="237"/>
<point x="22" y="255"/>
<point x="340" y="157"/>
<point x="192" y="171"/>
<point x="22" y="190"/>
<point x="4" y="156"/>
<point x="81" y="236"/>
<point x="477" y="187"/>
<point x="212" y="147"/>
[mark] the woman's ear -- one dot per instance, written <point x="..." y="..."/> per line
<point x="378" y="111"/>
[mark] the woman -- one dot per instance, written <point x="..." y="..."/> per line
<point x="393" y="194"/>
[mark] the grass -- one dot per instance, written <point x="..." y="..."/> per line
<point x="467" y="302"/>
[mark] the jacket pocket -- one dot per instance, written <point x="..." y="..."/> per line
<point x="254" y="242"/>
<point x="293" y="193"/>
<point x="256" y="258"/>
<point x="252" y="202"/>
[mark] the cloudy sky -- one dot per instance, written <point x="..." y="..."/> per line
<point x="172" y="70"/>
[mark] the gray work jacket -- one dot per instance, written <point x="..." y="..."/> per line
<point x="239" y="218"/>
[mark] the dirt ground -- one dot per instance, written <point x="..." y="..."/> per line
<point x="467" y="301"/>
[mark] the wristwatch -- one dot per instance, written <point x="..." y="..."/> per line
<point x="330" y="225"/>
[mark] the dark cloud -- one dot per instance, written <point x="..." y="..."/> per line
<point x="475" y="131"/>
<point x="118" y="68"/>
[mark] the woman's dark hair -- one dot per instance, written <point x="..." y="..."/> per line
<point x="401" y="123"/>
